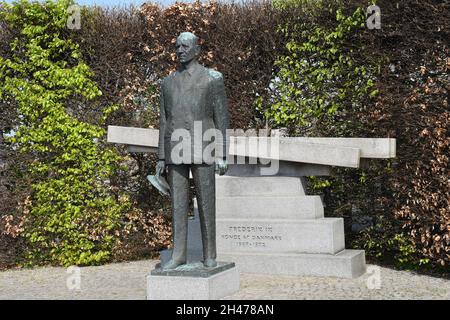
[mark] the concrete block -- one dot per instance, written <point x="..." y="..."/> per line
<point x="269" y="207"/>
<point x="280" y="236"/>
<point x="133" y="136"/>
<point x="217" y="286"/>
<point x="288" y="150"/>
<point x="377" y="148"/>
<point x="345" y="264"/>
<point x="227" y="186"/>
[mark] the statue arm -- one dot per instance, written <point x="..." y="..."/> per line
<point x="220" y="110"/>
<point x="162" y="126"/>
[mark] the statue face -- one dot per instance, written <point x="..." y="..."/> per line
<point x="187" y="49"/>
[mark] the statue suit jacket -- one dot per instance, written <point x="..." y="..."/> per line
<point x="190" y="97"/>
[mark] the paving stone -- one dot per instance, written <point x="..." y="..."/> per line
<point x="127" y="281"/>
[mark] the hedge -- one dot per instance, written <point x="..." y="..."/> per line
<point x="393" y="82"/>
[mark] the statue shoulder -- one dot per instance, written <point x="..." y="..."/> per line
<point x="215" y="75"/>
<point x="168" y="78"/>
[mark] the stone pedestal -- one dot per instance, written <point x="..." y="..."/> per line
<point x="269" y="225"/>
<point x="193" y="282"/>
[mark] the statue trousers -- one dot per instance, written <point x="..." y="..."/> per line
<point x="205" y="189"/>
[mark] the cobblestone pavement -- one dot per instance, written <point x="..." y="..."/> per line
<point x="127" y="281"/>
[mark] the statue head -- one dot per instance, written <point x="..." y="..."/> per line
<point x="187" y="47"/>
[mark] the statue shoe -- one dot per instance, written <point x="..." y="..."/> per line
<point x="210" y="263"/>
<point x="172" y="264"/>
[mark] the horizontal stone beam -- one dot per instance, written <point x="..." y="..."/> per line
<point x="133" y="136"/>
<point x="287" y="150"/>
<point x="344" y="152"/>
<point x="377" y="148"/>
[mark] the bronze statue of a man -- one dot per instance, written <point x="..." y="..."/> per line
<point x="193" y="101"/>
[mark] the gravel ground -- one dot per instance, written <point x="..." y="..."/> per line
<point x="127" y="281"/>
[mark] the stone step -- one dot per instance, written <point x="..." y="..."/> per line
<point x="344" y="264"/>
<point x="264" y="207"/>
<point x="280" y="236"/>
<point x="227" y="186"/>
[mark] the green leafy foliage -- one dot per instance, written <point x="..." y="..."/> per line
<point x="318" y="77"/>
<point x="407" y="197"/>
<point x="73" y="213"/>
<point x="380" y="243"/>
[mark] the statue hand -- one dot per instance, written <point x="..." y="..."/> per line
<point x="221" y="166"/>
<point x="160" y="167"/>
